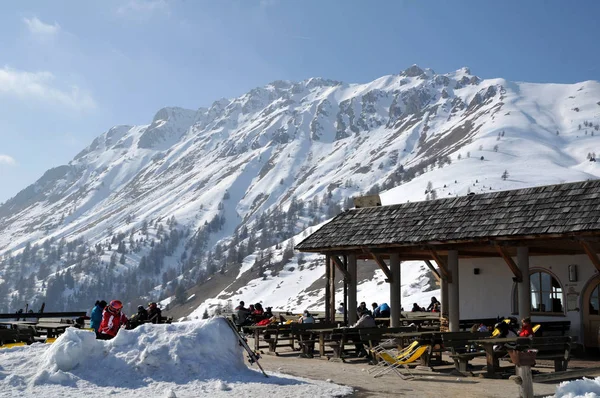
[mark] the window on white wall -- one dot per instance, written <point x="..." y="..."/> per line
<point x="546" y="294"/>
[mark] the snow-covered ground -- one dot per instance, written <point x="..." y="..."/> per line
<point x="188" y="359"/>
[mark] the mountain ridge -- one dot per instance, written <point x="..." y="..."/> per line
<point x="169" y="203"/>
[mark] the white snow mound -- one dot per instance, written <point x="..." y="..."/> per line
<point x="186" y="359"/>
<point x="584" y="388"/>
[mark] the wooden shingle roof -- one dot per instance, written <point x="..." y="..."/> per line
<point x="546" y="210"/>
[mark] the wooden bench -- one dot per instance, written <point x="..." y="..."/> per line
<point x="553" y="328"/>
<point x="17" y="335"/>
<point x="339" y="338"/>
<point x="460" y="348"/>
<point x="306" y="337"/>
<point x="557" y="348"/>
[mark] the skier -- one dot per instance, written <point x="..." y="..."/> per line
<point x="96" y="315"/>
<point x="112" y="320"/>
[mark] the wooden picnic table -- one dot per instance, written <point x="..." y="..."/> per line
<point x="53" y="329"/>
<point x="492" y="359"/>
<point x="16" y="323"/>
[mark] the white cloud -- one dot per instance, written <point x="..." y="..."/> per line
<point x="42" y="86"/>
<point x="142" y="8"/>
<point x="7" y="160"/>
<point x="41" y="29"/>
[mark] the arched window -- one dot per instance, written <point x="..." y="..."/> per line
<point x="546" y="294"/>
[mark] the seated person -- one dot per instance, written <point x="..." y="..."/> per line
<point x="434" y="305"/>
<point x="361" y="308"/>
<point x="241" y="316"/>
<point x="306" y="318"/>
<point x="506" y="330"/>
<point x="381" y="311"/>
<point x="154" y="313"/>
<point x="416" y="308"/>
<point x="365" y="321"/>
<point x="526" y="329"/>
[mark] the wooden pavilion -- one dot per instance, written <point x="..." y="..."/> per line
<point x="499" y="233"/>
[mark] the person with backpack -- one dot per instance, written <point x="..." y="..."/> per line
<point x="96" y="314"/>
<point x="112" y="320"/>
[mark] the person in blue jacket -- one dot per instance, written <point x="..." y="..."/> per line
<point x="381" y="311"/>
<point x="96" y="316"/>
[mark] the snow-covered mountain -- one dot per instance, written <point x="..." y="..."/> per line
<point x="148" y="211"/>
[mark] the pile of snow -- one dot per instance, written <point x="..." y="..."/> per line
<point x="188" y="359"/>
<point x="584" y="388"/>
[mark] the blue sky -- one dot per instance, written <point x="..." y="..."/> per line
<point x="69" y="70"/>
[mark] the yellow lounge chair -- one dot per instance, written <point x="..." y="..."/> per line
<point x="399" y="355"/>
<point x="50" y="340"/>
<point x="394" y="364"/>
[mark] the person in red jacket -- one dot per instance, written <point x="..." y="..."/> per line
<point x="526" y="329"/>
<point x="112" y="320"/>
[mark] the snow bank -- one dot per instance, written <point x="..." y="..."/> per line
<point x="187" y="359"/>
<point x="584" y="388"/>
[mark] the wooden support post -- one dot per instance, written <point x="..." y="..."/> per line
<point x="332" y="291"/>
<point x="524" y="286"/>
<point x="383" y="266"/>
<point x="453" y="292"/>
<point x="445" y="273"/>
<point x="434" y="271"/>
<point x="524" y="380"/>
<point x="352" y="288"/>
<point x="444" y="298"/>
<point x="591" y="253"/>
<point x="509" y="261"/>
<point x="346" y="282"/>
<point x="395" y="290"/>
<point x="327" y="288"/>
<point x="340" y="265"/>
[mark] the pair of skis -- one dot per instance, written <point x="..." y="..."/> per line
<point x="253" y="357"/>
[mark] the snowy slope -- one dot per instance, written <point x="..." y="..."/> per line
<point x="147" y="211"/>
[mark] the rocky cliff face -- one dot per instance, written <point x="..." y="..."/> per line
<point x="146" y="211"/>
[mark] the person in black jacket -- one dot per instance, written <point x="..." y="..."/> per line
<point x="154" y="313"/>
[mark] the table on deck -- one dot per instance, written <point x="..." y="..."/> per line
<point x="53" y="329"/>
<point x="16" y="323"/>
<point x="493" y="363"/>
<point x="256" y="330"/>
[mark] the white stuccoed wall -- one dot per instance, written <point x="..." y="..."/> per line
<point x="490" y="293"/>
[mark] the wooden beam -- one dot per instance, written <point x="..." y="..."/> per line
<point x="445" y="274"/>
<point x="340" y="265"/>
<point x="509" y="261"/>
<point x="327" y="289"/>
<point x="383" y="266"/>
<point x="433" y="270"/>
<point x="591" y="253"/>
